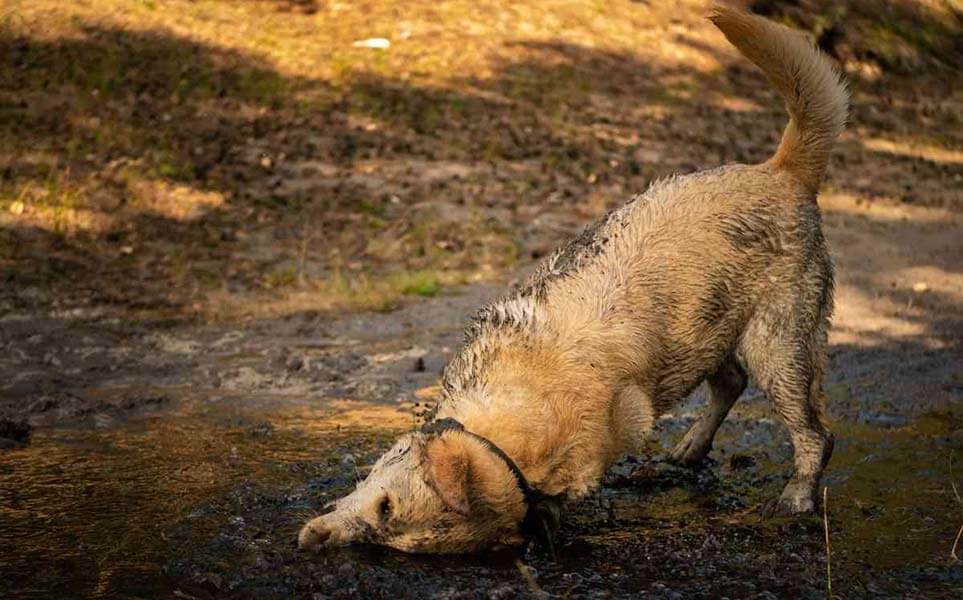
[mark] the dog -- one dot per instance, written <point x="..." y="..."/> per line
<point x="714" y="276"/>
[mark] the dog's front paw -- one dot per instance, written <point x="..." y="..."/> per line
<point x="691" y="451"/>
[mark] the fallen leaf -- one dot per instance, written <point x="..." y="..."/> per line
<point x="377" y="43"/>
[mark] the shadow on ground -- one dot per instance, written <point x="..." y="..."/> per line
<point x="151" y="173"/>
<point x="145" y="174"/>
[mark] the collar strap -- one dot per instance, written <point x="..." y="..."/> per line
<point x="542" y="514"/>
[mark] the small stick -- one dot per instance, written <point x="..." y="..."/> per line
<point x="955" y="544"/>
<point x="959" y="533"/>
<point x="532" y="584"/>
<point x="829" y="567"/>
<point x="303" y="251"/>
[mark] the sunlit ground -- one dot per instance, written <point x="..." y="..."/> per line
<point x="240" y="159"/>
<point x="247" y="176"/>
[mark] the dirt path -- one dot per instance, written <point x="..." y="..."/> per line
<point x="217" y="221"/>
<point x="183" y="458"/>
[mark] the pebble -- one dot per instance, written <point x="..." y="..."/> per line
<point x="882" y="419"/>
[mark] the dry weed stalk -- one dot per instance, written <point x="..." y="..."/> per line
<point x="829" y="566"/>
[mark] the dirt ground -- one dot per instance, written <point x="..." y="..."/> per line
<point x="231" y="272"/>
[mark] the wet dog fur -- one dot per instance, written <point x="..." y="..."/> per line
<point x="716" y="277"/>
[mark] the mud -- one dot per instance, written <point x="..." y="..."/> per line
<point x="178" y="460"/>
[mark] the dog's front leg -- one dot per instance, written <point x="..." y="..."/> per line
<point x="633" y="416"/>
<point x="724" y="388"/>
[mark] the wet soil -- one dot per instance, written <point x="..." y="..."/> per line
<point x="178" y="460"/>
<point x="169" y="164"/>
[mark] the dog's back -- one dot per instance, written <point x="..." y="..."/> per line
<point x="664" y="287"/>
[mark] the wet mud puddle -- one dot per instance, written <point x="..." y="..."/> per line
<point x="205" y="501"/>
<point x="110" y="512"/>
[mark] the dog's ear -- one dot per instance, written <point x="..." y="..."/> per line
<point x="446" y="471"/>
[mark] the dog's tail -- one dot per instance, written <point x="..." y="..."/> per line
<point x="815" y="96"/>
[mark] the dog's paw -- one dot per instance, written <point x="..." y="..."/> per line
<point x="791" y="503"/>
<point x="690" y="452"/>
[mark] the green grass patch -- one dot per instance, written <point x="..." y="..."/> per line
<point x="419" y="283"/>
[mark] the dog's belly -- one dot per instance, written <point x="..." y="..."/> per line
<point x="692" y="350"/>
<point x="680" y="381"/>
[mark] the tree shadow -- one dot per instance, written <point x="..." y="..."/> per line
<point x="108" y="112"/>
<point x="303" y="7"/>
<point x="145" y="157"/>
<point x="193" y="168"/>
<point x="896" y="34"/>
<point x="891" y="109"/>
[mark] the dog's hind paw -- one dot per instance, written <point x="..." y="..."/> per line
<point x="796" y="499"/>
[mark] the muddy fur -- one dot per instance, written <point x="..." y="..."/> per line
<point x="708" y="277"/>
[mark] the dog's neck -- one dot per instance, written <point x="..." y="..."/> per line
<point x="559" y="435"/>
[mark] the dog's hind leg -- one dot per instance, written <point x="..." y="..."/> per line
<point x="725" y="386"/>
<point x="789" y="369"/>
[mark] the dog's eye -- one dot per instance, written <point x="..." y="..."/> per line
<point x="384" y="508"/>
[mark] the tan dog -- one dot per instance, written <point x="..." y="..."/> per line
<point x="704" y="277"/>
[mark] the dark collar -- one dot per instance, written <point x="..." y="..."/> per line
<point x="542" y="515"/>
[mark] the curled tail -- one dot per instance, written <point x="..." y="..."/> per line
<point x="816" y="98"/>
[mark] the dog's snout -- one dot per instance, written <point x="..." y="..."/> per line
<point x="313" y="536"/>
<point x="321" y="536"/>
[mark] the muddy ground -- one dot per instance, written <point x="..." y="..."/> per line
<point x="236" y="250"/>
<point x="179" y="460"/>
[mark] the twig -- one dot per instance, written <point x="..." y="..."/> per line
<point x="829" y="567"/>
<point x="959" y="533"/>
<point x="955" y="544"/>
<point x="530" y="580"/>
<point x="303" y="251"/>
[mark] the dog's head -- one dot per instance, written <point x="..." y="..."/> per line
<point x="430" y="493"/>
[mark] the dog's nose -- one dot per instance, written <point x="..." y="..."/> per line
<point x="313" y="536"/>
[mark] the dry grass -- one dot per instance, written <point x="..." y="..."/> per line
<point x="216" y="158"/>
<point x="956" y="544"/>
<point x="829" y="552"/>
<point x="356" y="291"/>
